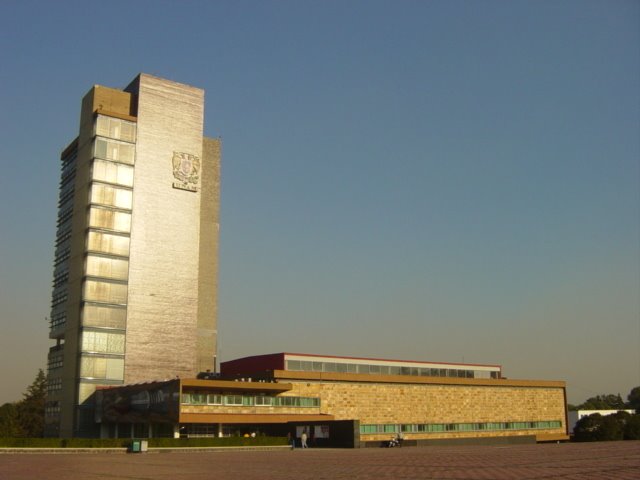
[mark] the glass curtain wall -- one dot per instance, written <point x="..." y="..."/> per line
<point x="106" y="270"/>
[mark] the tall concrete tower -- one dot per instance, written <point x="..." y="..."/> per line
<point x="135" y="271"/>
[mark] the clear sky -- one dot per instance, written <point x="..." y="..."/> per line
<point x="424" y="180"/>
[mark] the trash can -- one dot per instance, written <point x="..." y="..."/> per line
<point x="135" y="446"/>
<point x="144" y="444"/>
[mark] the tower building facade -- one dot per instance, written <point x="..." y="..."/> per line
<point x="135" y="269"/>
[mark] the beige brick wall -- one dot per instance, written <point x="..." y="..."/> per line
<point x="376" y="403"/>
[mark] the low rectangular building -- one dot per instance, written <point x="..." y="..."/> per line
<point x="273" y="395"/>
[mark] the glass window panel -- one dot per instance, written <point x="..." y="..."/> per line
<point x="317" y="366"/>
<point x="198" y="399"/>
<point x="112" y="173"/>
<point x="85" y="390"/>
<point x="109" y="219"/>
<point x="368" y="429"/>
<point x="293" y="364"/>
<point x="233" y="400"/>
<point x="363" y="368"/>
<point x="111" y="196"/>
<point x="114" y="150"/>
<point x="115" y="268"/>
<point x="115" y="128"/>
<point x="126" y="153"/>
<point x="103" y="342"/>
<point x="341" y="367"/>
<point x="329" y="367"/>
<point x="306" y="366"/>
<point x="100" y="148"/>
<point x="214" y="399"/>
<point x="115" y="368"/>
<point x="101" y="126"/>
<point x="128" y="131"/>
<point x="93" y="367"/>
<point x="107" y="243"/>
<point x="264" y="401"/>
<point x="98" y="316"/>
<point x="104" y="292"/>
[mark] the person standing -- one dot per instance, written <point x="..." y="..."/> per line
<point x="303" y="439"/>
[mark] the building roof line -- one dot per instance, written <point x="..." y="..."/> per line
<point x="389" y="360"/>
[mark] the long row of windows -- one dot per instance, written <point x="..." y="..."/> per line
<point x="105" y="291"/>
<point x="377" y="369"/>
<point x="58" y="318"/>
<point x="247" y="400"/>
<point x="55" y="360"/>
<point x="457" y="427"/>
<point x="54" y="384"/>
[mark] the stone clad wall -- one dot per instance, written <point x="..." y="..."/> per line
<point x="378" y="403"/>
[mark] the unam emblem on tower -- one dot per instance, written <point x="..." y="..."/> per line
<point x="186" y="169"/>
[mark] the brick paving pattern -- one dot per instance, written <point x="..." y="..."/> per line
<point x="579" y="461"/>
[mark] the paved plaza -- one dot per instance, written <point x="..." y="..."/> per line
<point x="611" y="460"/>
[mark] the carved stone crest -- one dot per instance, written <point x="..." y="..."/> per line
<point x="186" y="169"/>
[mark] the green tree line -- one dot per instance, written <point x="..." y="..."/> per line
<point x="619" y="426"/>
<point x="25" y="418"/>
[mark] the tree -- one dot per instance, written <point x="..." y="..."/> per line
<point x="596" y="428"/>
<point x="9" y="424"/>
<point x="634" y="399"/>
<point x="631" y="429"/>
<point x="603" y="402"/>
<point x="30" y="409"/>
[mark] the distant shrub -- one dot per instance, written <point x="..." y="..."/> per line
<point x="217" y="442"/>
<point x="632" y="428"/>
<point x="598" y="428"/>
<point x="153" y="442"/>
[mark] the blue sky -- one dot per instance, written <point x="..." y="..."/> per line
<point x="429" y="180"/>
